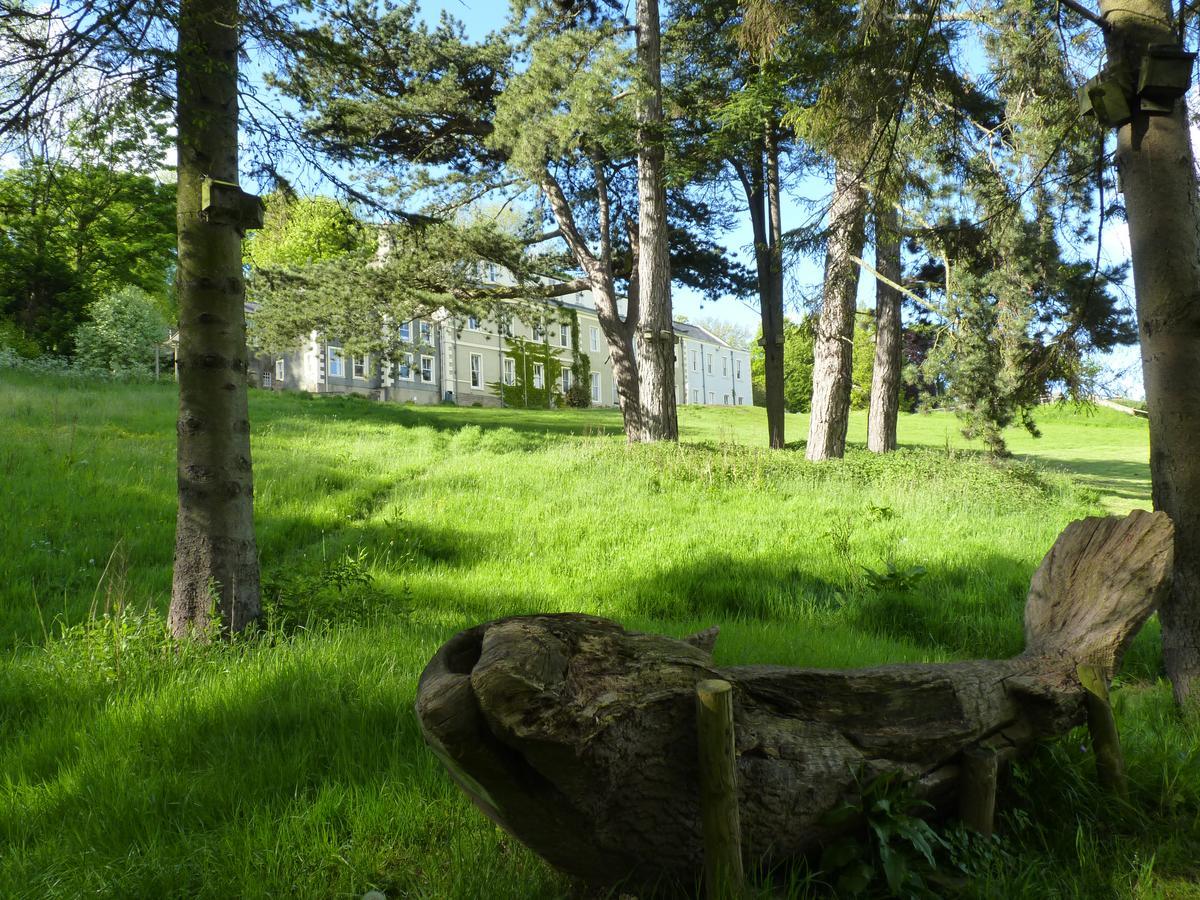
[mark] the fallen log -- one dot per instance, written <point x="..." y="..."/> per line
<point x="579" y="737"/>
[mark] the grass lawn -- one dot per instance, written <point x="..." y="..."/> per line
<point x="290" y="765"/>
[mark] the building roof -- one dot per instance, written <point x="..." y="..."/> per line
<point x="700" y="333"/>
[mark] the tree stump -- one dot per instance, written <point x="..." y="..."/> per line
<point x="578" y="737"/>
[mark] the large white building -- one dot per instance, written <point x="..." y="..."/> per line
<point x="468" y="360"/>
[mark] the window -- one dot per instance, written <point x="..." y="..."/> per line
<point x="595" y="339"/>
<point x="712" y="397"/>
<point x="724" y="366"/>
<point x="473" y="323"/>
<point x="505" y="325"/>
<point x="616" y="396"/>
<point x="539" y="333"/>
<point x="710" y="364"/>
<point x="266" y="378"/>
<point x="337" y="368"/>
<point x="476" y="370"/>
<point x="406" y="331"/>
<point x="280" y="371"/>
<point x="595" y="386"/>
<point x="695" y="362"/>
<point x="726" y="399"/>
<point x="564" y="335"/>
<point x="359" y="366"/>
<point x="406" y="367"/>
<point x="566" y="380"/>
<point x="695" y="395"/>
<point x="510" y="370"/>
<point x="739" y="370"/>
<point x="538" y="375"/>
<point x="427" y="369"/>
<point x="426" y="331"/>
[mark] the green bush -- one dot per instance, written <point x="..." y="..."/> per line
<point x="124" y="329"/>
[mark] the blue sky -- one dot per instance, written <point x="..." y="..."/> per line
<point x="482" y="16"/>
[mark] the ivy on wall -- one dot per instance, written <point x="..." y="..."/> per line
<point x="580" y="394"/>
<point x="524" y="393"/>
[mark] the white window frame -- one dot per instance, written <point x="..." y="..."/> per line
<point x="566" y="379"/>
<point x="712" y="398"/>
<point x="596" y="390"/>
<point x="738" y="370"/>
<point x="539" y="333"/>
<point x="695" y="362"/>
<point x="564" y="335"/>
<point x="335" y="366"/>
<point x="426" y="378"/>
<point x="695" y="395"/>
<point x="264" y="378"/>
<point x="280" y="370"/>
<point x="472" y="323"/>
<point x="509" y="367"/>
<point x="595" y="338"/>
<point x="710" y="364"/>
<point x="406" y="363"/>
<point x="406" y="331"/>
<point x="724" y="367"/>
<point x="726" y="400"/>
<point x="360" y="367"/>
<point x="539" y="375"/>
<point x="476" y="370"/>
<point x="425" y="330"/>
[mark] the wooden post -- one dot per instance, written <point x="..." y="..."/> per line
<point x="718" y="790"/>
<point x="1106" y="742"/>
<point x="977" y="791"/>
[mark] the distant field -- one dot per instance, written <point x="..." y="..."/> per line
<point x="291" y="765"/>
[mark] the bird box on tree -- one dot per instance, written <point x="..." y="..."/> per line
<point x="1165" y="75"/>
<point x="1110" y="95"/>
<point x="225" y="203"/>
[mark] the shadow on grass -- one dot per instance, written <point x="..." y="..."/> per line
<point x="972" y="610"/>
<point x="1128" y="480"/>
<point x="451" y="418"/>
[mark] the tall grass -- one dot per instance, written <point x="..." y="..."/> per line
<point x="290" y="763"/>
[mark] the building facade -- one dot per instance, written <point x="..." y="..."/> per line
<point x="480" y="360"/>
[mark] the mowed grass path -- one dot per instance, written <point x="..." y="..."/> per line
<point x="291" y="765"/>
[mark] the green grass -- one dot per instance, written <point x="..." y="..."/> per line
<point x="291" y="765"/>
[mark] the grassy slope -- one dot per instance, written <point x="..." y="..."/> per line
<point x="131" y="770"/>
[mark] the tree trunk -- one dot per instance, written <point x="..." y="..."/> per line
<point x="833" y="352"/>
<point x="885" y="374"/>
<point x="216" y="560"/>
<point x="1155" y="158"/>
<point x="655" y="328"/>
<point x="770" y="288"/>
<point x="579" y="737"/>
<point x="772" y="297"/>
<point x="598" y="268"/>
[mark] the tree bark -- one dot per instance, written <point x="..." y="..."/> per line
<point x="598" y="268"/>
<point x="1155" y="158"/>
<point x="885" y="373"/>
<point x="764" y="224"/>
<point x="216" y="559"/>
<point x="655" y="328"/>
<point x="833" y="352"/>
<point x="579" y="737"/>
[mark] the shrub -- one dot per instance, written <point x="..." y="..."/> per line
<point x="124" y="330"/>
